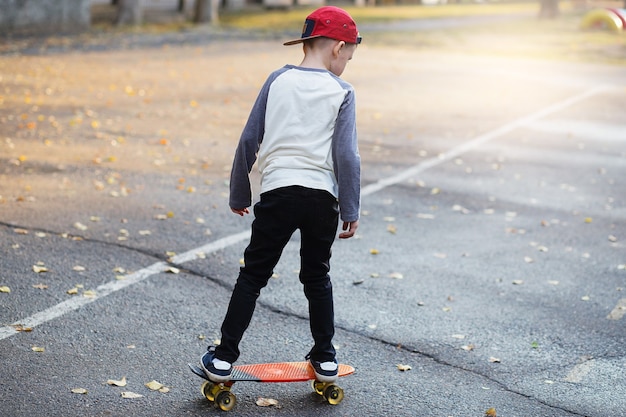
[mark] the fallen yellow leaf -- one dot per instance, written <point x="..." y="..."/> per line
<point x="131" y="395"/>
<point x="266" y="402"/>
<point x="39" y="269"/>
<point x="80" y="226"/>
<point x="490" y="412"/>
<point x="72" y="291"/>
<point x="38" y="349"/>
<point x="20" y="328"/>
<point x="5" y="289"/>
<point x="403" y="368"/>
<point x="120" y="383"/>
<point x="79" y="391"/>
<point x="154" y="385"/>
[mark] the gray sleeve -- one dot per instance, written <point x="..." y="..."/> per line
<point x="246" y="153"/>
<point x="346" y="160"/>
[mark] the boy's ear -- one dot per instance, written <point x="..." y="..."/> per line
<point x="337" y="48"/>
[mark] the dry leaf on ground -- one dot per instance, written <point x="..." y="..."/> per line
<point x="266" y="402"/>
<point x="131" y="395"/>
<point x="154" y="385"/>
<point x="80" y="226"/>
<point x="120" y="383"/>
<point x="403" y="368"/>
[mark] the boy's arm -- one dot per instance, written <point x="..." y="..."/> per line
<point x="246" y="155"/>
<point x="347" y="165"/>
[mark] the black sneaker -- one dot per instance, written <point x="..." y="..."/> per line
<point x="325" y="371"/>
<point x="215" y="374"/>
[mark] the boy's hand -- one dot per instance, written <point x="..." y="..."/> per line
<point x="349" y="229"/>
<point x="240" y="212"/>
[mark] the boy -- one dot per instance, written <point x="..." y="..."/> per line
<point x="301" y="132"/>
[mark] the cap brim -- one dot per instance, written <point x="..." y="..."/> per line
<point x="300" y="40"/>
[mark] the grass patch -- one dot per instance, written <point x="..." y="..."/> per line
<point x="526" y="36"/>
<point x="292" y="19"/>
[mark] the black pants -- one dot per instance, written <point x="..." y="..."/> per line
<point x="277" y="216"/>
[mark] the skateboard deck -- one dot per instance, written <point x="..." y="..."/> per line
<point x="223" y="398"/>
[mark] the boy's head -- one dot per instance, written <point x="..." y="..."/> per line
<point x="329" y="22"/>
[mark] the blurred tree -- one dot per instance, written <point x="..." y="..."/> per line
<point x="549" y="9"/>
<point x="129" y="12"/>
<point x="206" y="11"/>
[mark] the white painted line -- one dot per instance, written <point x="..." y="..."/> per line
<point x="479" y="140"/>
<point x="619" y="311"/>
<point x="210" y="247"/>
<point x="105" y="289"/>
<point x="113" y="286"/>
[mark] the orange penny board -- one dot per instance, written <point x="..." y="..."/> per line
<point x="274" y="372"/>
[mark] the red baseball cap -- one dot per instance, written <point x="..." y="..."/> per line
<point x="329" y="22"/>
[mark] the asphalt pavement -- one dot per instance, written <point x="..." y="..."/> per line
<point x="488" y="271"/>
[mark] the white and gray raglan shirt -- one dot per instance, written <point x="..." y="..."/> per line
<point x="302" y="130"/>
